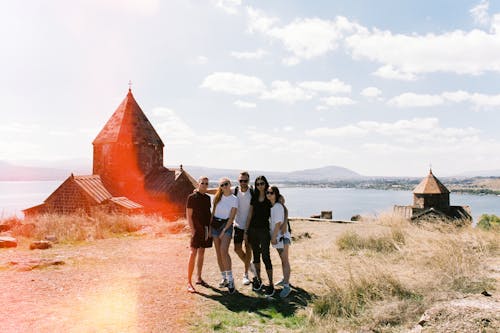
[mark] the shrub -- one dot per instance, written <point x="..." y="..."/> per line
<point x="489" y="222"/>
<point x="381" y="243"/>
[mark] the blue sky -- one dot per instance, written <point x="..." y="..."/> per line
<point x="382" y="88"/>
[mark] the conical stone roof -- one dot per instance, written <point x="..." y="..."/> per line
<point x="128" y="124"/>
<point x="430" y="185"/>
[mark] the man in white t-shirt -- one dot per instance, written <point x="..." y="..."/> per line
<point x="244" y="194"/>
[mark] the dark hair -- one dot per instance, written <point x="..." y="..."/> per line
<point x="256" y="188"/>
<point x="276" y="191"/>
<point x="245" y="173"/>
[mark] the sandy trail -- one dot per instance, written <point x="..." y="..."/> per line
<point x="112" y="285"/>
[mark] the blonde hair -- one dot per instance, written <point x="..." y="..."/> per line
<point x="218" y="194"/>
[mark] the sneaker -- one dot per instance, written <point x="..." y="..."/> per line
<point x="230" y="287"/>
<point x="285" y="291"/>
<point x="256" y="284"/>
<point x="223" y="283"/>
<point x="245" y="280"/>
<point x="280" y="283"/>
<point x="269" y="291"/>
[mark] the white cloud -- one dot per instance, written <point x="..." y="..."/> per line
<point x="332" y="87"/>
<point x="229" y="6"/>
<point x="281" y="91"/>
<point x="495" y="24"/>
<point x="480" y="13"/>
<point x="233" y="83"/>
<point x="170" y="125"/>
<point x="415" y="100"/>
<point x="201" y="60"/>
<point x="244" y="105"/>
<point x="255" y="55"/>
<point x="258" y="21"/>
<point x="371" y="92"/>
<point x="290" y="61"/>
<point x="337" y="101"/>
<point x="284" y="91"/>
<point x="479" y="101"/>
<point x="345" y="131"/>
<point x="404" y="56"/>
<point x="389" y="72"/>
<point x="305" y="38"/>
<point x="417" y="130"/>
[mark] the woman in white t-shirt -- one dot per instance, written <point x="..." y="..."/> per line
<point x="221" y="228"/>
<point x="280" y="235"/>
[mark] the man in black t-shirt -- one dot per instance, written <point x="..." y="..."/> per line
<point x="198" y="216"/>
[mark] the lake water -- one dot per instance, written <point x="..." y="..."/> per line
<point x="301" y="201"/>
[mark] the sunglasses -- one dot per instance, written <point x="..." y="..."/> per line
<point x="260" y="183"/>
<point x="204" y="183"/>
<point x="270" y="192"/>
<point x="243" y="180"/>
<point x="224" y="184"/>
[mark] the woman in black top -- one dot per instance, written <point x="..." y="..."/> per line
<point x="258" y="234"/>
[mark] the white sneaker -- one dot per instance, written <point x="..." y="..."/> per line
<point x="245" y="280"/>
<point x="223" y="283"/>
<point x="280" y="283"/>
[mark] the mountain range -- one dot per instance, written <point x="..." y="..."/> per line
<point x="13" y="172"/>
<point x="60" y="170"/>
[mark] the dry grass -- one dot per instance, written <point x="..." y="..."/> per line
<point x="382" y="275"/>
<point x="98" y="225"/>
<point x="378" y="275"/>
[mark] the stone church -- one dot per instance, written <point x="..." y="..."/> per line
<point x="431" y="202"/>
<point x="128" y="172"/>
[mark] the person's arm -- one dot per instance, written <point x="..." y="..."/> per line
<point x="274" y="237"/>
<point x="284" y="225"/>
<point x="249" y="220"/>
<point x="189" y="214"/>
<point x="230" y="220"/>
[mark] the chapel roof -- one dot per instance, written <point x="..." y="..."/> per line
<point x="430" y="185"/>
<point x="128" y="124"/>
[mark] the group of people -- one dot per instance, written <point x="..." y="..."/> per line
<point x="258" y="220"/>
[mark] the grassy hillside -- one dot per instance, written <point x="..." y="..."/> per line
<point x="384" y="275"/>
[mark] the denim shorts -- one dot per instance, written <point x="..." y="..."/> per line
<point x="286" y="241"/>
<point x="217" y="232"/>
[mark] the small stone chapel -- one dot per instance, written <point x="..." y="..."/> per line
<point x="128" y="172"/>
<point x="431" y="202"/>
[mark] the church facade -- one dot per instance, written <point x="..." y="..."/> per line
<point x="128" y="173"/>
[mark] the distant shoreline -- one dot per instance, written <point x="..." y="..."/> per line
<point x="475" y="186"/>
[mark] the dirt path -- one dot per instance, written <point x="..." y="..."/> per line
<point x="112" y="285"/>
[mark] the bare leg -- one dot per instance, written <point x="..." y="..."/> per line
<point x="217" y="244"/>
<point x="224" y="251"/>
<point x="192" y="258"/>
<point x="199" y="263"/>
<point x="239" y="251"/>
<point x="248" y="256"/>
<point x="285" y="264"/>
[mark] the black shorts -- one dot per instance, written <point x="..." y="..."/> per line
<point x="238" y="235"/>
<point x="198" y="240"/>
